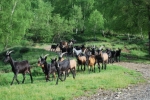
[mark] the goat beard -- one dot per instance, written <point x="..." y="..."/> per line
<point x="42" y="66"/>
<point x="38" y="64"/>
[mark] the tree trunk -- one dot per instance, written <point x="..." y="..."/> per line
<point x="149" y="27"/>
<point x="141" y="33"/>
<point x="149" y="42"/>
<point x="128" y="36"/>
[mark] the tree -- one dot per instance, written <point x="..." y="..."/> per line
<point x="41" y="29"/>
<point x="15" y="19"/>
<point x="127" y="16"/>
<point x="96" y="21"/>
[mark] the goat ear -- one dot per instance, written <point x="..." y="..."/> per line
<point x="55" y="59"/>
<point x="7" y="53"/>
<point x="45" y="57"/>
<point x="41" y="57"/>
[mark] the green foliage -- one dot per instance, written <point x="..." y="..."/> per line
<point x="96" y="20"/>
<point x="54" y="20"/>
<point x="15" y="19"/>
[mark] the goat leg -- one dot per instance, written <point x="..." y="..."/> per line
<point x="30" y="76"/>
<point x="63" y="74"/>
<point x="89" y="69"/>
<point x="72" y="73"/>
<point x="13" y="79"/>
<point x="84" y="67"/>
<point x="105" y="66"/>
<point x="102" y="65"/>
<point x="57" y="78"/>
<point x="99" y="66"/>
<point x="47" y="78"/>
<point x="23" y="77"/>
<point x="94" y="68"/>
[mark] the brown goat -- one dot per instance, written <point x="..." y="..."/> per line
<point x="81" y="61"/>
<point x="73" y="65"/>
<point x="91" y="62"/>
<point x="101" y="57"/>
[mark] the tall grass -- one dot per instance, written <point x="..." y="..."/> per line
<point x="112" y="78"/>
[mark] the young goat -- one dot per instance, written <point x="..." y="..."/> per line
<point x="91" y="63"/>
<point x="22" y="67"/>
<point x="53" y="47"/>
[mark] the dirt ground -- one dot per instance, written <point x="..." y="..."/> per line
<point x="134" y="92"/>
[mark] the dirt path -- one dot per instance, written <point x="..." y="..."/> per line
<point x="136" y="92"/>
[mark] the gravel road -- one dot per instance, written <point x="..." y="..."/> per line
<point x="134" y="92"/>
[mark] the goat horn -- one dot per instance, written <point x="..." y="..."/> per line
<point x="10" y="51"/>
<point x="46" y="55"/>
<point x="84" y="51"/>
<point x="62" y="54"/>
<point x="100" y="47"/>
<point x="7" y="52"/>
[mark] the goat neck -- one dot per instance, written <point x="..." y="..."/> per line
<point x="11" y="62"/>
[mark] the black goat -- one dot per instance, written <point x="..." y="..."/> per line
<point x="117" y="55"/>
<point x="111" y="55"/>
<point x="18" y="67"/>
<point x="47" y="68"/>
<point x="62" y="66"/>
<point x="54" y="47"/>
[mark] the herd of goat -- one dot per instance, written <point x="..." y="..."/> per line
<point x="62" y="66"/>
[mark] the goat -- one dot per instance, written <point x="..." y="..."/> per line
<point x="71" y="42"/>
<point x="117" y="55"/>
<point x="18" y="67"/>
<point x="91" y="62"/>
<point x="61" y="67"/>
<point x="47" y="68"/>
<point x="54" y="47"/>
<point x="73" y="65"/>
<point x="101" y="57"/>
<point x="77" y="47"/>
<point x="77" y="52"/>
<point x="63" y="44"/>
<point x="81" y="60"/>
<point x="39" y="64"/>
<point x="111" y="55"/>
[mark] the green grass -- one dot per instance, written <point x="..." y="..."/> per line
<point x="112" y="78"/>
